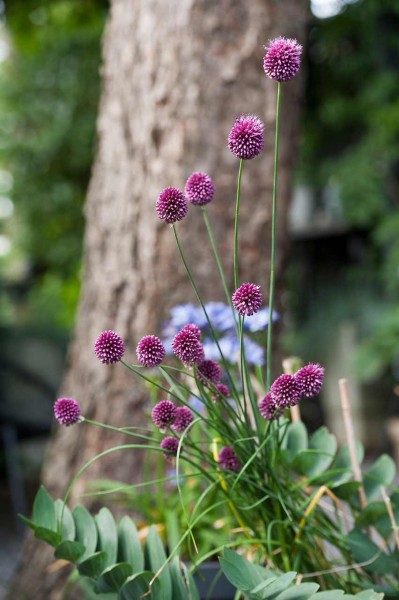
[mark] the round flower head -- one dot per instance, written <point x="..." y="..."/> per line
<point x="199" y="189"/>
<point x="171" y="205"/>
<point x="269" y="408"/>
<point x="184" y="417"/>
<point x="171" y="445"/>
<point x="222" y="392"/>
<point x="67" y="411"/>
<point x="227" y="459"/>
<point x="282" y="59"/>
<point x="247" y="299"/>
<point x="194" y="329"/>
<point x="187" y="347"/>
<point x="285" y="391"/>
<point x="209" y="372"/>
<point x="246" y="138"/>
<point x="164" y="414"/>
<point x="150" y="351"/>
<point x="310" y="380"/>
<point x="109" y="347"/>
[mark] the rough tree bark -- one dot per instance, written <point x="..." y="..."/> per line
<point x="175" y="76"/>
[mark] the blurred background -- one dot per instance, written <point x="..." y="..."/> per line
<point x="340" y="299"/>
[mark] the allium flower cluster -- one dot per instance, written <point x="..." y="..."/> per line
<point x="194" y="329"/>
<point x="199" y="189"/>
<point x="246" y="139"/>
<point x="247" y="299"/>
<point x="150" y="351"/>
<point x="109" y="347"/>
<point x="222" y="392"/>
<point x="269" y="408"/>
<point x="228" y="460"/>
<point x="170" y="445"/>
<point x="208" y="371"/>
<point x="67" y="411"/>
<point x="164" y="414"/>
<point x="282" y="59"/>
<point x="310" y="380"/>
<point x="285" y="391"/>
<point x="184" y="417"/>
<point x="187" y="347"/>
<point x="171" y="205"/>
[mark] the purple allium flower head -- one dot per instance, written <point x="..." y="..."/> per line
<point x="246" y="139"/>
<point x="269" y="409"/>
<point x="222" y="392"/>
<point x="285" y="391"/>
<point x="171" y="445"/>
<point x="164" y="414"/>
<point x="150" y="351"/>
<point x="66" y="411"/>
<point x="199" y="189"/>
<point x="184" y="417"/>
<point x="109" y="347"/>
<point x="247" y="299"/>
<point x="187" y="347"/>
<point x="209" y="372"/>
<point x="227" y="459"/>
<point x="194" y="329"/>
<point x="171" y="205"/>
<point x="282" y="59"/>
<point x="310" y="380"/>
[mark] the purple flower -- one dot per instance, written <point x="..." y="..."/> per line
<point x="171" y="205"/>
<point x="199" y="189"/>
<point x="67" y="411"/>
<point x="222" y="392"/>
<point x="171" y="445"/>
<point x="282" y="59"/>
<point x="269" y="408"/>
<point x="109" y="347"/>
<point x="164" y="414"/>
<point x="247" y="299"/>
<point x="246" y="138"/>
<point x="209" y="372"/>
<point x="194" y="329"/>
<point x="285" y="391"/>
<point x="184" y="417"/>
<point x="150" y="351"/>
<point x="227" y="459"/>
<point x="310" y="380"/>
<point x="187" y="347"/>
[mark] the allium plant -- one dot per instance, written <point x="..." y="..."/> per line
<point x="240" y="433"/>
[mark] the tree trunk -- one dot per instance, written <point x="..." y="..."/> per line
<point x="175" y="76"/>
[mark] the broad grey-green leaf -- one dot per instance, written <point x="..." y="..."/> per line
<point x="129" y="546"/>
<point x="107" y="535"/>
<point x="94" y="565"/>
<point x="303" y="591"/>
<point x="319" y="456"/>
<point x="156" y="559"/>
<point x="69" y="550"/>
<point x="68" y="524"/>
<point x="363" y="550"/>
<point x="86" y="531"/>
<point x="331" y="595"/>
<point x="342" y="466"/>
<point x="44" y="511"/>
<point x="296" y="439"/>
<point x="138" y="585"/>
<point x="271" y="588"/>
<point x="48" y="535"/>
<point x="113" y="578"/>
<point x="382" y="472"/>
<point x="239" y="571"/>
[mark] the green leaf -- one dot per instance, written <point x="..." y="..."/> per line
<point x="138" y="585"/>
<point x="363" y="549"/>
<point x="156" y="559"/>
<point x="271" y="588"/>
<point x="382" y="472"/>
<point x="129" y="546"/>
<point x="43" y="510"/>
<point x="384" y="525"/>
<point x="343" y="466"/>
<point x="113" y="578"/>
<point x="304" y="591"/>
<point x="68" y="525"/>
<point x="94" y="565"/>
<point x="86" y="531"/>
<point x="69" y="550"/>
<point x="48" y="535"/>
<point x="371" y="514"/>
<point x="332" y="595"/>
<point x="27" y="522"/>
<point x="320" y="454"/>
<point x="180" y="586"/>
<point x="239" y="571"/>
<point x="296" y="439"/>
<point x="347" y="490"/>
<point x="369" y="595"/>
<point x="107" y="535"/>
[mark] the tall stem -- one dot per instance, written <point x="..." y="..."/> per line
<point x="273" y="250"/>
<point x="236" y="224"/>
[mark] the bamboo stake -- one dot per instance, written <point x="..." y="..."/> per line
<point x="394" y="524"/>
<point x="350" y="436"/>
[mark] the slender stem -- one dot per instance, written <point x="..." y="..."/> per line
<point x="273" y="250"/>
<point x="236" y="224"/>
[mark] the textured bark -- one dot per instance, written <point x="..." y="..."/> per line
<point x="175" y="76"/>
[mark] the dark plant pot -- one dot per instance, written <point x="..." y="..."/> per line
<point x="212" y="584"/>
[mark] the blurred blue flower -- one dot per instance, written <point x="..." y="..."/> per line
<point x="259" y="320"/>
<point x="196" y="404"/>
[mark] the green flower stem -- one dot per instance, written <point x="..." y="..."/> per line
<point x="118" y="430"/>
<point x="236" y="224"/>
<point x="273" y="250"/>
